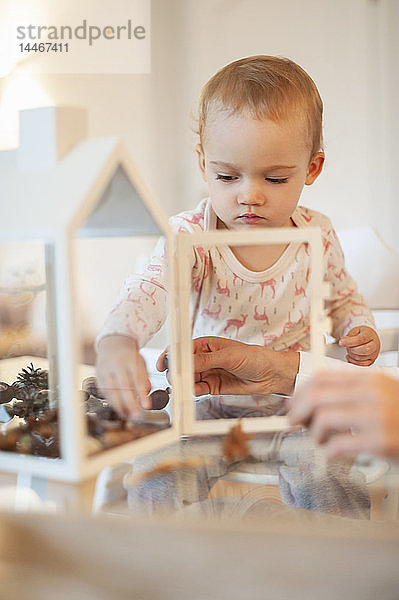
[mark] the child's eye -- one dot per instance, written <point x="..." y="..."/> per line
<point x="225" y="177"/>
<point x="277" y="180"/>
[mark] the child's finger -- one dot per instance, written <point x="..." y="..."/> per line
<point x="361" y="357"/>
<point x="350" y="339"/>
<point x="128" y="395"/>
<point x="363" y="350"/>
<point x="358" y="339"/>
<point x="113" y="394"/>
<point x="141" y="384"/>
<point x="366" y="362"/>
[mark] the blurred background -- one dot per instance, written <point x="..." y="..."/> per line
<point x="349" y="47"/>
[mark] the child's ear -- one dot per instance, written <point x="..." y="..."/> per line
<point x="201" y="160"/>
<point x="314" y="168"/>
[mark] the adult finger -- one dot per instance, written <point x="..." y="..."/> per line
<point x="329" y="420"/>
<point x="202" y="388"/>
<point x="348" y="444"/>
<point x="321" y="391"/>
<point x="311" y="394"/>
<point x="205" y="361"/>
<point x="209" y="343"/>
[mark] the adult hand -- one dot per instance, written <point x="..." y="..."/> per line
<point x="362" y="344"/>
<point x="350" y="412"/>
<point x="122" y="375"/>
<point x="223" y="366"/>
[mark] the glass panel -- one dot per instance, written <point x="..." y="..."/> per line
<point x="28" y="388"/>
<point x="261" y="298"/>
<point x="202" y="477"/>
<point x="121" y="296"/>
<point x="230" y="406"/>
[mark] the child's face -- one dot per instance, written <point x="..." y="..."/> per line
<point x="256" y="169"/>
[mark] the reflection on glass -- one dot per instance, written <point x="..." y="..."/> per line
<point x="28" y="388"/>
<point x="273" y="307"/>
<point x="107" y="428"/>
<point x="121" y="295"/>
<point x="238" y="407"/>
<point x="100" y="276"/>
<point x="200" y="477"/>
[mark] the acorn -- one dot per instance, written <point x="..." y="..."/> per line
<point x="41" y="401"/>
<point x="6" y="392"/>
<point x="159" y="399"/>
<point x="20" y="409"/>
<point x="49" y="416"/>
<point x="89" y="385"/>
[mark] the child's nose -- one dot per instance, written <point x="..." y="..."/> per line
<point x="251" y="194"/>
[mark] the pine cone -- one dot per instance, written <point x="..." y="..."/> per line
<point x="29" y="382"/>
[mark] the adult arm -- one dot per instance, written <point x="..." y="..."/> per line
<point x="224" y="366"/>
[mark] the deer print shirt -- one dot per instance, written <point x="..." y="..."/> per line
<point x="270" y="308"/>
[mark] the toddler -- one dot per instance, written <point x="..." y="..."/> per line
<point x="260" y="142"/>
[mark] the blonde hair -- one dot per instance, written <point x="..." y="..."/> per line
<point x="264" y="87"/>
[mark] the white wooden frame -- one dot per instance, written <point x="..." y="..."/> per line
<point x="185" y="382"/>
<point x="78" y="182"/>
<point x="106" y="156"/>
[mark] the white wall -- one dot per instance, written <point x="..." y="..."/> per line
<point x="334" y="41"/>
<point x="385" y="128"/>
<point x="142" y="108"/>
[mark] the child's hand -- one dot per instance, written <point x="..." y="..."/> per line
<point x="122" y="375"/>
<point x="363" y="346"/>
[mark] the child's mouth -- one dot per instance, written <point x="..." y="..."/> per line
<point x="250" y="218"/>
